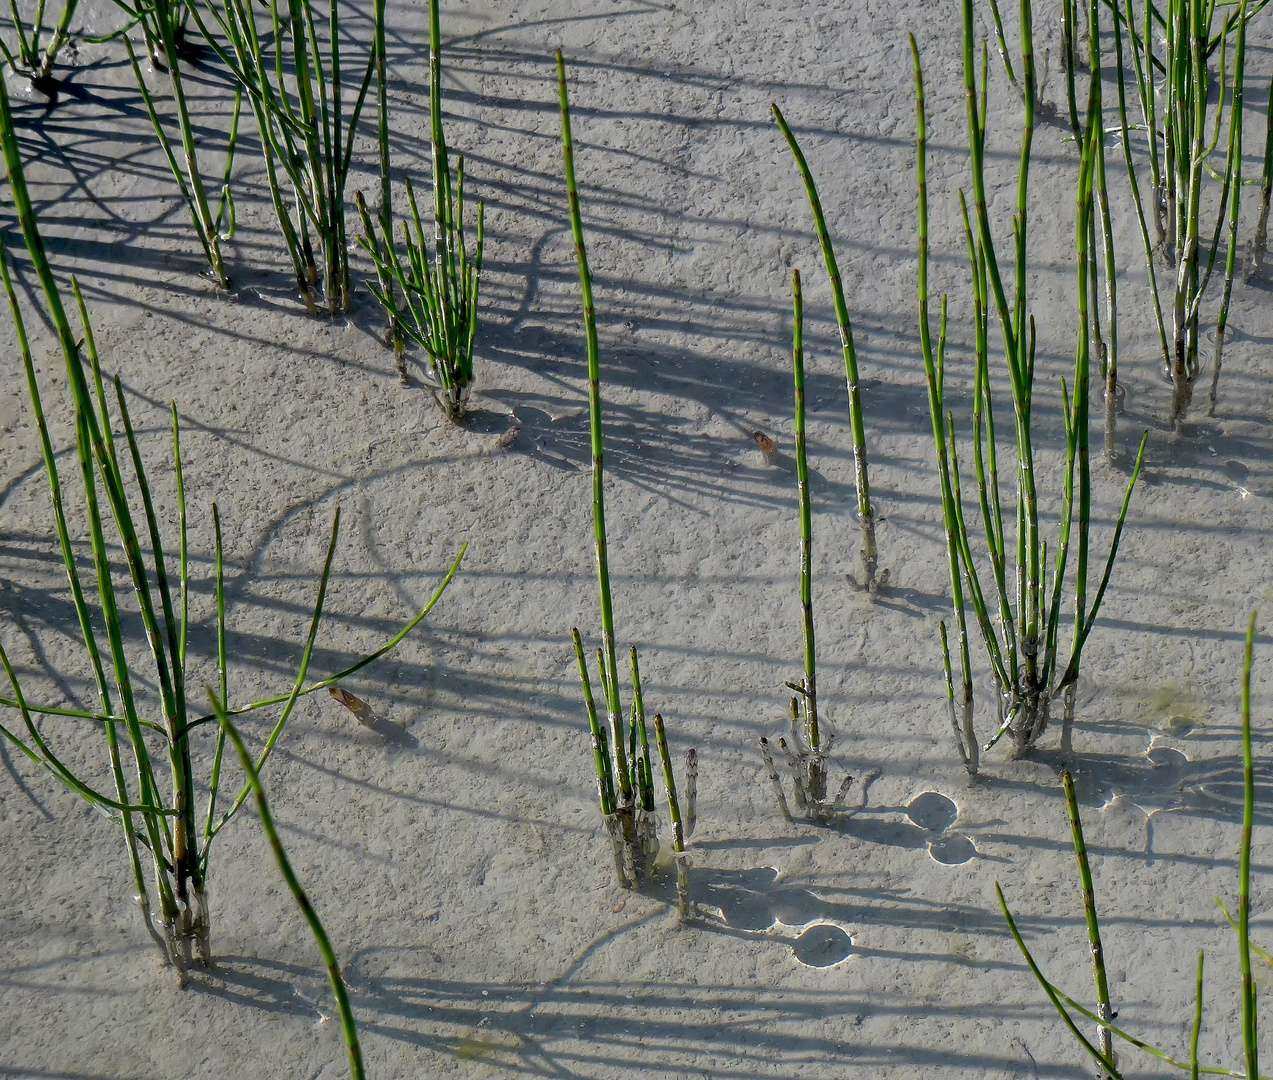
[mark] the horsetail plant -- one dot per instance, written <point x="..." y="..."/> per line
<point x="349" y="1027"/>
<point x="1102" y="1051"/>
<point x="293" y="81"/>
<point x="393" y="331"/>
<point x="162" y="22"/>
<point x="621" y="753"/>
<point x="1180" y="142"/>
<point x="1106" y="346"/>
<point x="872" y="578"/>
<point x="211" y="230"/>
<point x="1022" y="638"/>
<point x="28" y="57"/>
<point x="438" y="309"/>
<point x="811" y="739"/>
<point x="166" y="830"/>
<point x="1260" y="245"/>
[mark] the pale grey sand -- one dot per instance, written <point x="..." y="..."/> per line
<point x="455" y="852"/>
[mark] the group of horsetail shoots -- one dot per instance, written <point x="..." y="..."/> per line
<point x="1017" y="609"/>
<point x="811" y="736"/>
<point x="307" y="119"/>
<point x="168" y="831"/>
<point x="438" y="304"/>
<point x="621" y="752"/>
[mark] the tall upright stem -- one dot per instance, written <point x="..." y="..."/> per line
<point x="1250" y="1041"/>
<point x="386" y="195"/>
<point x="806" y="517"/>
<point x="1260" y="247"/>
<point x="965" y="739"/>
<point x="1234" y="185"/>
<point x="1103" y="1009"/>
<point x="866" y="517"/>
<point x="609" y="677"/>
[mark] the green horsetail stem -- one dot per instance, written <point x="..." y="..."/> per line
<point x="1233" y="179"/>
<point x="386" y="192"/>
<point x="77" y="591"/>
<point x="1060" y="1000"/>
<point x="215" y="785"/>
<point x="1021" y="635"/>
<point x="669" y="780"/>
<point x="610" y="670"/>
<point x="1109" y="348"/>
<point x="640" y="741"/>
<point x="1125" y="141"/>
<point x="600" y="751"/>
<point x="1196" y="1033"/>
<point x="1068" y="31"/>
<point x="1250" y="1035"/>
<point x="297" y="98"/>
<point x="348" y="1027"/>
<point x="934" y="372"/>
<point x="870" y="553"/>
<point x="1177" y="163"/>
<point x="810" y="686"/>
<point x="1261" y="244"/>
<point x="674" y="811"/>
<point x="438" y="308"/>
<point x="178" y="853"/>
<point x="1103" y="1009"/>
<point x="29" y="60"/>
<point x="190" y="180"/>
<point x="1064" y="1004"/>
<point x="1002" y="45"/>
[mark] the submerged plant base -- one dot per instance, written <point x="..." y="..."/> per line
<point x="188" y="939"/>
<point x="453" y="401"/>
<point x="634" y="841"/>
<point x="873" y="578"/>
<point x="639" y="858"/>
<point x="808" y="768"/>
<point x="1024" y="717"/>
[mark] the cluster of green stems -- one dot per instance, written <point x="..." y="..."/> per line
<point x="1018" y="606"/>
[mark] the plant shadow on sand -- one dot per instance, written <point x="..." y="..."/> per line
<point x="583" y="1024"/>
<point x="1164" y="779"/>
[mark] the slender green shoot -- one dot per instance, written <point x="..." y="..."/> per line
<point x="211" y="229"/>
<point x="347" y="1024"/>
<point x="31" y="56"/>
<point x="811" y="741"/>
<point x="873" y="579"/>
<point x="1179" y="152"/>
<point x="1250" y="1033"/>
<point x="164" y="828"/>
<point x="1260" y="245"/>
<point x="674" y="810"/>
<point x="1233" y="180"/>
<point x="160" y="21"/>
<point x="438" y="306"/>
<point x="1103" y="1009"/>
<point x="809" y="693"/>
<point x="394" y="336"/>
